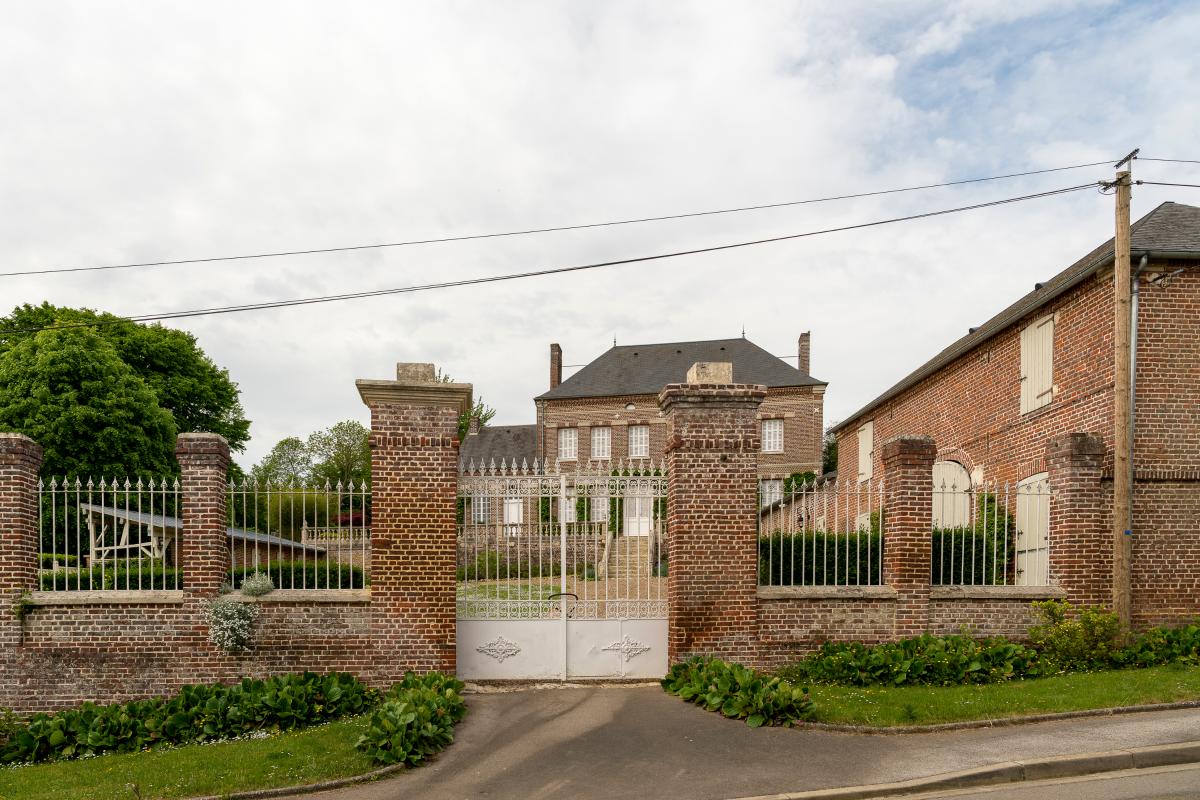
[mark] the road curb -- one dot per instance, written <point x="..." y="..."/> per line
<point x="1000" y="722"/>
<point x="1068" y="766"/>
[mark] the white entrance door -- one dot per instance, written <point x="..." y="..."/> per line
<point x="1033" y="530"/>
<point x="638" y="515"/>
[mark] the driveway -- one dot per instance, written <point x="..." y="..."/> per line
<point x="638" y="742"/>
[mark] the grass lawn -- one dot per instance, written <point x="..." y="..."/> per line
<point x="929" y="705"/>
<point x="320" y="753"/>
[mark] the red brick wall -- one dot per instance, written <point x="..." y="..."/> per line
<point x="712" y="505"/>
<point x="792" y="628"/>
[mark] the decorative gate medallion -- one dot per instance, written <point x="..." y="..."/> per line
<point x="628" y="648"/>
<point x="499" y="648"/>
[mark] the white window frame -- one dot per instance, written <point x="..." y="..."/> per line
<point x="514" y="514"/>
<point x="598" y="508"/>
<point x="866" y="451"/>
<point x="602" y="443"/>
<point x="772" y="435"/>
<point x="1037" y="364"/>
<point x="567" y="511"/>
<point x="568" y="444"/>
<point x="479" y="508"/>
<point x="771" y="491"/>
<point x="639" y="441"/>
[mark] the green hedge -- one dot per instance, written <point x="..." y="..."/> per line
<point x="491" y="565"/>
<point x="135" y="575"/>
<point x="196" y="714"/>
<point x="813" y="558"/>
<point x="48" y="560"/>
<point x="304" y="575"/>
<point x="972" y="557"/>
<point x="415" y="720"/>
<point x="739" y="692"/>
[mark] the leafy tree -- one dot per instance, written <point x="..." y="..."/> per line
<point x="93" y="415"/>
<point x="481" y="410"/>
<point x="341" y="454"/>
<point x="198" y="394"/>
<point x="288" y="462"/>
<point x="829" y="455"/>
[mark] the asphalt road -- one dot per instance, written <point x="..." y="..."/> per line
<point x="1164" y="783"/>
<point x="639" y="742"/>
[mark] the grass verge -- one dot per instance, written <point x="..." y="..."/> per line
<point x="324" y="752"/>
<point x="931" y="705"/>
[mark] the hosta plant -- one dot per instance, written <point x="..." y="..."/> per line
<point x="739" y="692"/>
<point x="415" y="720"/>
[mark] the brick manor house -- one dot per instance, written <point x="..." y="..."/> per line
<point x="608" y="411"/>
<point x="1043" y="368"/>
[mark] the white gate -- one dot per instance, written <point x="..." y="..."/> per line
<point x="562" y="574"/>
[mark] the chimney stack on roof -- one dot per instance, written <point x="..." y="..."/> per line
<point x="555" y="365"/>
<point x="805" y="345"/>
<point x="473" y="426"/>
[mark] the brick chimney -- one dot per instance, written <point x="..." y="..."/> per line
<point x="802" y="363"/>
<point x="473" y="425"/>
<point x="555" y="365"/>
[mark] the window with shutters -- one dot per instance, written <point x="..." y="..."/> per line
<point x="601" y="442"/>
<point x="772" y="436"/>
<point x="1037" y="365"/>
<point x="639" y="441"/>
<point x="568" y="444"/>
<point x="599" y="508"/>
<point x="866" y="451"/>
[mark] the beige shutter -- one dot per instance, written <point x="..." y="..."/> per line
<point x="1033" y="531"/>
<point x="866" y="449"/>
<point x="1037" y="364"/>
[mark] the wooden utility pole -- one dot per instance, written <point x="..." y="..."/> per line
<point x="1122" y="478"/>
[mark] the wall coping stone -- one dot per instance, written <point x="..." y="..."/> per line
<point x="306" y="596"/>
<point x="451" y="395"/>
<point x="826" y="593"/>
<point x="996" y="592"/>
<point x="107" y="598"/>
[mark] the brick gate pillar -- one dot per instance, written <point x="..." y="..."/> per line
<point x="20" y="460"/>
<point x="1080" y="537"/>
<point x="414" y="491"/>
<point x="907" y="528"/>
<point x="204" y="552"/>
<point x="712" y="514"/>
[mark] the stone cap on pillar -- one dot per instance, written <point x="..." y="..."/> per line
<point x="711" y="395"/>
<point x="1084" y="444"/>
<point x="201" y="446"/>
<point x="908" y="446"/>
<point x="416" y="384"/>
<point x="711" y="372"/>
<point x="15" y="446"/>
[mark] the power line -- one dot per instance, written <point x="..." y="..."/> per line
<point x="1171" y="160"/>
<point x="551" y="271"/>
<point x="1160" y="183"/>
<point x="474" y="236"/>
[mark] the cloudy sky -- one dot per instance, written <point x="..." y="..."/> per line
<point x="151" y="131"/>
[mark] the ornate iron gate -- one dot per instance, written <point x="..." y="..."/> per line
<point x="562" y="574"/>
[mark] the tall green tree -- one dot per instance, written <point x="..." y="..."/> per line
<point x="829" y="455"/>
<point x="287" y="463"/>
<point x="341" y="454"/>
<point x="93" y="415"/>
<point x="199" y="395"/>
<point x="481" y="410"/>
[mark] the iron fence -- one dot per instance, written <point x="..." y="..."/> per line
<point x="827" y="534"/>
<point x="991" y="533"/>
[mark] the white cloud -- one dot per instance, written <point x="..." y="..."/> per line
<point x="140" y="132"/>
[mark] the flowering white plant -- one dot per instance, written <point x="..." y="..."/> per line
<point x="257" y="585"/>
<point x="229" y="623"/>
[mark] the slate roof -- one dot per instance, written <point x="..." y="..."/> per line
<point x="1172" y="230"/>
<point x="172" y="523"/>
<point x="499" y="442"/>
<point x="647" y="368"/>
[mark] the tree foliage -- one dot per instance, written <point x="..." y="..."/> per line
<point x="480" y="409"/>
<point x="340" y="453"/>
<point x="829" y="454"/>
<point x="197" y="394"/>
<point x="70" y="391"/>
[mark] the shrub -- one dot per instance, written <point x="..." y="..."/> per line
<point x="130" y="576"/>
<point x="197" y="713"/>
<point x="53" y="560"/>
<point x="229" y="623"/>
<point x="966" y="556"/>
<point x="814" y="558"/>
<point x="929" y="660"/>
<point x="415" y="720"/>
<point x="257" y="585"/>
<point x="1073" y="638"/>
<point x="1163" y="646"/>
<point x="321" y="574"/>
<point x="738" y="692"/>
<point x="491" y="565"/>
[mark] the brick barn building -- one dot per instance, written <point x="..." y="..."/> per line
<point x="1042" y="368"/>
